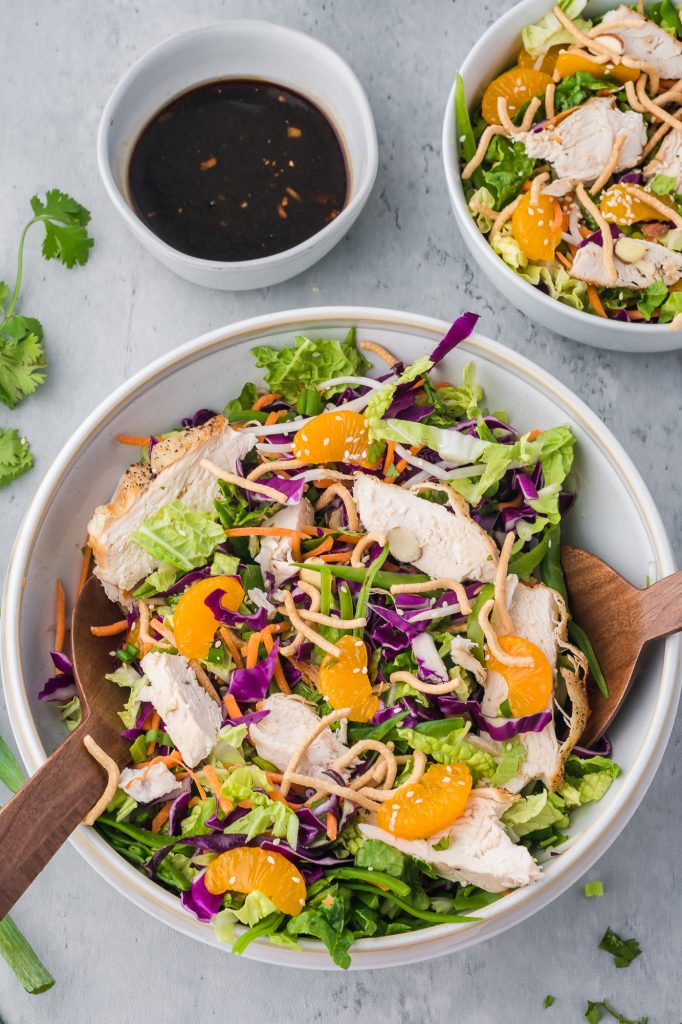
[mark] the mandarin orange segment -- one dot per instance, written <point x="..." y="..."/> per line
<point x="420" y="809"/>
<point x="569" y="63"/>
<point x="517" y="86"/>
<point x="529" y="688"/>
<point x="620" y="206"/>
<point x="547" y="64"/>
<point x="333" y="437"/>
<point x="537" y="226"/>
<point x="344" y="682"/>
<point x="250" y="869"/>
<point x="194" y="624"/>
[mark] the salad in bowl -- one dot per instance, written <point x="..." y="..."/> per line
<point x="349" y="678"/>
<point x="571" y="162"/>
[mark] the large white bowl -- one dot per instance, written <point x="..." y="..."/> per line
<point x="494" y="52"/>
<point x="614" y="516"/>
<point x="240" y="49"/>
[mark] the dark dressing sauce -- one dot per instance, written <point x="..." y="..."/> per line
<point x="237" y="169"/>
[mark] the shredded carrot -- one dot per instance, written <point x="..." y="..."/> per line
<point x="214" y="782"/>
<point x="195" y="780"/>
<point x="252" y="649"/>
<point x="337" y="556"/>
<point x="113" y="630"/>
<point x="584" y="232"/>
<point x="59" y="616"/>
<point x="231" y="644"/>
<point x="275" y="794"/>
<point x="170" y="760"/>
<point x="262" y="531"/>
<point x="525" y="187"/>
<point x="595" y="301"/>
<point x="313" y="531"/>
<point x="332" y="825"/>
<point x="446" y="383"/>
<point x="534" y="434"/>
<point x="231" y="706"/>
<point x="264" y="400"/>
<point x="138" y="442"/>
<point x="274" y="417"/>
<point x="181" y="775"/>
<point x="296" y="549"/>
<point x="161" y="818"/>
<point x="85" y="568"/>
<point x="510" y="504"/>
<point x="280" y="678"/>
<point x="390" y="455"/>
<point x="563" y="259"/>
<point x="193" y="802"/>
<point x="154" y="724"/>
<point x="274" y="776"/>
<point x="276" y="627"/>
<point x="403" y="464"/>
<point x="326" y="545"/>
<point x="558" y="217"/>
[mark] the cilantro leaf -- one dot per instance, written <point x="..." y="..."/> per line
<point x="547" y="1001"/>
<point x="64" y="219"/>
<point x="576" y="88"/>
<point x="15" y="455"/>
<point x="595" y="1013"/>
<point x="623" y="951"/>
<point x="593" y="889"/>
<point x="21" y="363"/>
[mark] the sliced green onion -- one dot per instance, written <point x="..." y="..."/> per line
<point x="11" y="773"/>
<point x="23" y="961"/>
<point x="380" y="878"/>
<point x="464" y="133"/>
<point x="422" y="915"/>
<point x="345" y="600"/>
<point x="325" y="590"/>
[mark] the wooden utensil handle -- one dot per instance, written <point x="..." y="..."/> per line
<point x="46" y="810"/>
<point x="662" y="608"/>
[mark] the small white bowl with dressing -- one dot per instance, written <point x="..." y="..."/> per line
<point x="254" y="50"/>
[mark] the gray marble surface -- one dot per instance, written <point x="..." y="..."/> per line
<point x="60" y="59"/>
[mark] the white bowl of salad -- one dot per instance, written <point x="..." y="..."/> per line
<point x="563" y="158"/>
<point x="333" y="567"/>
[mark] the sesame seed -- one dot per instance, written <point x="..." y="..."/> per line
<point x="301" y="903"/>
<point x="420" y="800"/>
<point x="364" y="670"/>
<point x="326" y="441"/>
<point x="232" y="880"/>
<point x="307" y="451"/>
<point x="295" y="879"/>
<point x="410" y="793"/>
<point x="395" y="807"/>
<point x="271" y="860"/>
<point x="304" y="437"/>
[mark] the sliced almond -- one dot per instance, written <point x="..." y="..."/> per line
<point x="403" y="545"/>
<point x="310" y="575"/>
<point x="629" y="250"/>
<point x="612" y="42"/>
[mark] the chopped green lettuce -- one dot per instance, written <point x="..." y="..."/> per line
<point x="267" y="816"/>
<point x="224" y="565"/>
<point x="179" y="536"/>
<point x="586" y="781"/>
<point x="227" y="746"/>
<point x="534" y="813"/>
<point x="506" y="168"/>
<point x="158" y="581"/>
<point x="126" y="676"/>
<point x="482" y="197"/>
<point x="194" y="823"/>
<point x="71" y="713"/>
<point x="548" y="31"/>
<point x="241" y="782"/>
<point x="307" y="363"/>
<point x="666" y="14"/>
<point x="454" y="746"/>
<point x="653" y="297"/>
<point x="663" y="184"/>
<point x="575" y="89"/>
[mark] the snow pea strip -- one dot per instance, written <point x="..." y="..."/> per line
<point x="551" y="573"/>
<point x="140" y="835"/>
<point x="463" y="130"/>
<point x="345" y="600"/>
<point x="384" y="580"/>
<point x="363" y="596"/>
<point x="267" y="926"/>
<point x="579" y="637"/>
<point x="422" y="915"/>
<point x="325" y="590"/>
<point x="380" y="878"/>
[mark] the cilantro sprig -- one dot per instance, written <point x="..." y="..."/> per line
<point x="22" y="354"/>
<point x="623" y="951"/>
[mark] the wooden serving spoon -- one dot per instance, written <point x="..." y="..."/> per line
<point x="46" y="810"/>
<point x="620" y="620"/>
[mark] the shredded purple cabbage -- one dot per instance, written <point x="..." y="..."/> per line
<point x="458" y="332"/>
<point x="251" y="684"/>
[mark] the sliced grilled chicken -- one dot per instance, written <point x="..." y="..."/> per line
<point x="668" y="160"/>
<point x="274" y="556"/>
<point x="289" y="721"/>
<point x="647" y="41"/>
<point x="174" y="473"/>
<point x="580" y="146"/>
<point x="480" y="851"/>
<point x="147" y="784"/>
<point x="647" y="262"/>
<point x="539" y="614"/>
<point x="190" y="717"/>
<point x="452" y="544"/>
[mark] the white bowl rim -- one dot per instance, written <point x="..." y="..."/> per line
<point x="349" y="211"/>
<point x="578" y="854"/>
<point x="450" y="146"/>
